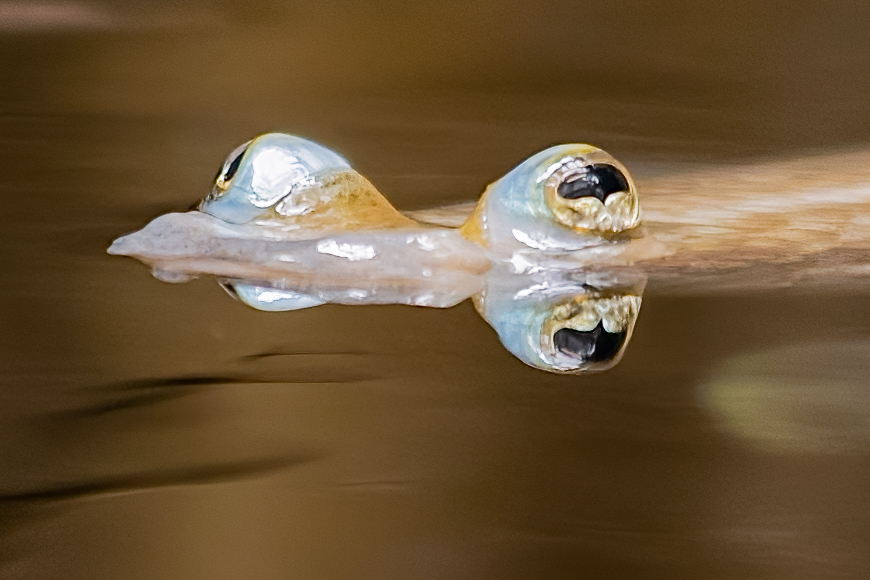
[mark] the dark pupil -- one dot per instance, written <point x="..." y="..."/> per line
<point x="596" y="345"/>
<point x="234" y="166"/>
<point x="598" y="181"/>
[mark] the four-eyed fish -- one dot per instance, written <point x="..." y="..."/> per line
<point x="550" y="252"/>
<point x="289" y="224"/>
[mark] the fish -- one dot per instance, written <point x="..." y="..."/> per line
<point x="289" y="223"/>
<point x="555" y="254"/>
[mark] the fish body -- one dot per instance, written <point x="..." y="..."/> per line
<point x="553" y="253"/>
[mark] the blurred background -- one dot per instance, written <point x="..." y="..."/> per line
<point x="150" y="430"/>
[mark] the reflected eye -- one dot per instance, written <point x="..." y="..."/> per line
<point x="597" y="181"/>
<point x="596" y="345"/>
<point x="589" y="332"/>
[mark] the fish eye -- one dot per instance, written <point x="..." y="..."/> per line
<point x="234" y="166"/>
<point x="225" y="174"/>
<point x="591" y="192"/>
<point x="596" y="345"/>
<point x="597" y="181"/>
<point x="231" y="166"/>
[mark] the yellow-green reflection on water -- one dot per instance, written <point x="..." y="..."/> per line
<point x="806" y="397"/>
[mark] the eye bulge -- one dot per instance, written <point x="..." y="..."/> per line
<point x="560" y="199"/>
<point x="565" y="198"/>
<point x="260" y="173"/>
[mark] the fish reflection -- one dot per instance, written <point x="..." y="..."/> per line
<point x="565" y="321"/>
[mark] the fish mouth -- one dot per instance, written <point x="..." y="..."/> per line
<point x="597" y="198"/>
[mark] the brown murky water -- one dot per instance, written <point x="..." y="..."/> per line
<point x="150" y="430"/>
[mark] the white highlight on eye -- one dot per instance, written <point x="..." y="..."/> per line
<point x="276" y="173"/>
<point x="232" y="156"/>
<point x="274" y="296"/>
<point x="273" y="299"/>
<point x="352" y="252"/>
<point x="567" y="162"/>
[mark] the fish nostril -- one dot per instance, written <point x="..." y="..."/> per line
<point x="596" y="345"/>
<point x="597" y="181"/>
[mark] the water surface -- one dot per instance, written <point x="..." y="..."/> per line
<point x="152" y="430"/>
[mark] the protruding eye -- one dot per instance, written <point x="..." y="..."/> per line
<point x="597" y="181"/>
<point x="596" y="345"/>
<point x="591" y="193"/>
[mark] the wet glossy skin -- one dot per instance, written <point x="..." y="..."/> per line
<point x="289" y="225"/>
<point x="532" y="208"/>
